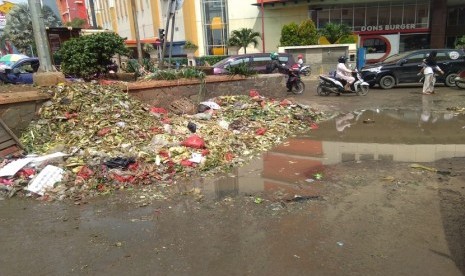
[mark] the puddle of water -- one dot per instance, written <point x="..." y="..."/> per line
<point x="290" y="169"/>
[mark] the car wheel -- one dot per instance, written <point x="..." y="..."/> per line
<point x="449" y="81"/>
<point x="387" y="82"/>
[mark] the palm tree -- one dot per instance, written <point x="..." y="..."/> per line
<point x="334" y="32"/>
<point x="243" y="37"/>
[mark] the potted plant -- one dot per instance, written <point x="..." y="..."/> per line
<point x="190" y="49"/>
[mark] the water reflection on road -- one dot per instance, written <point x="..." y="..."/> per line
<point x="394" y="135"/>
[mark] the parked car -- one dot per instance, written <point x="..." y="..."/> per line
<point x="256" y="61"/>
<point x="20" y="72"/>
<point x="404" y="68"/>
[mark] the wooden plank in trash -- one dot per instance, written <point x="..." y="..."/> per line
<point x="9" y="143"/>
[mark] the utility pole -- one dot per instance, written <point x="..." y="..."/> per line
<point x="47" y="74"/>
<point x="263" y="27"/>
<point x="172" y="14"/>
<point x="136" y="28"/>
<point x="40" y="36"/>
<point x="168" y="18"/>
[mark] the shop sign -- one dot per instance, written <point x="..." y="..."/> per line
<point x="394" y="27"/>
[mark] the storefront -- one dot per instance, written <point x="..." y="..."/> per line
<point x="383" y="28"/>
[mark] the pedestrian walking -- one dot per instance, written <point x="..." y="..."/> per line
<point x="430" y="68"/>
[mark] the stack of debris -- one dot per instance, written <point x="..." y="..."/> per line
<point x="91" y="139"/>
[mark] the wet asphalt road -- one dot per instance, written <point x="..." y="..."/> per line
<point x="405" y="96"/>
<point x="119" y="235"/>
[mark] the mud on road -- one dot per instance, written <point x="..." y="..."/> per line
<point x="364" y="215"/>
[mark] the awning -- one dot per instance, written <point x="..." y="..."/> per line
<point x="151" y="40"/>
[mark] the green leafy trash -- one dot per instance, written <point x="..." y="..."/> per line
<point x="258" y="200"/>
<point x="318" y="176"/>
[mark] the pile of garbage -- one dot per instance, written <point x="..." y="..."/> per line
<point x="92" y="139"/>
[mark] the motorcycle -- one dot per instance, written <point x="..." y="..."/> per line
<point x="305" y="70"/>
<point x="294" y="83"/>
<point x="330" y="84"/>
<point x="460" y="79"/>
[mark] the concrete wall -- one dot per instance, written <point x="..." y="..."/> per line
<point x="17" y="116"/>
<point x="323" y="58"/>
<point x="272" y="85"/>
<point x="18" y="109"/>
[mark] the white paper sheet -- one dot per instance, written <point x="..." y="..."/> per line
<point x="45" y="179"/>
<point x="13" y="167"/>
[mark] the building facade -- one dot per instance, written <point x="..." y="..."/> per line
<point x="383" y="27"/>
<point x="71" y="9"/>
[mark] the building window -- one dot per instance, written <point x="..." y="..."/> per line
<point x="215" y="22"/>
<point x="381" y="14"/>
<point x="409" y="14"/>
<point x="422" y="17"/>
<point x="396" y="14"/>
<point x="375" y="45"/>
<point x="347" y="17"/>
<point x="384" y="15"/>
<point x="372" y="16"/>
<point x="414" y="42"/>
<point x="359" y="18"/>
<point x="456" y="16"/>
<point x="323" y="18"/>
<point x="335" y="15"/>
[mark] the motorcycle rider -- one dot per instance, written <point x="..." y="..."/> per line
<point x="300" y="60"/>
<point x="342" y="72"/>
<point x="274" y="66"/>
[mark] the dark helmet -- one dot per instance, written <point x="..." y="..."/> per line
<point x="342" y="59"/>
<point x="274" y="55"/>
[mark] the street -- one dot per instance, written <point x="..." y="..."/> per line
<point x="311" y="206"/>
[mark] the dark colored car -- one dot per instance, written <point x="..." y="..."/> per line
<point x="256" y="61"/>
<point x="404" y="68"/>
<point x="20" y="72"/>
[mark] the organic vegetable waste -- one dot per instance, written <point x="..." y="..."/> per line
<point x="95" y="123"/>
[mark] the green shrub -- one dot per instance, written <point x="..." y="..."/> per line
<point x="460" y="43"/>
<point x="88" y="55"/>
<point x="174" y="74"/>
<point x="299" y="35"/>
<point x="209" y="59"/>
<point x="242" y="69"/>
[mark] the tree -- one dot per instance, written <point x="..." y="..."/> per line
<point x="299" y="35"/>
<point x="88" y="55"/>
<point x="308" y="33"/>
<point x="334" y="32"/>
<point x="76" y="23"/>
<point x="18" y="28"/>
<point x="289" y="35"/>
<point x="244" y="37"/>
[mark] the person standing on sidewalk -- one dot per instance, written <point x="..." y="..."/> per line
<point x="429" y="70"/>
